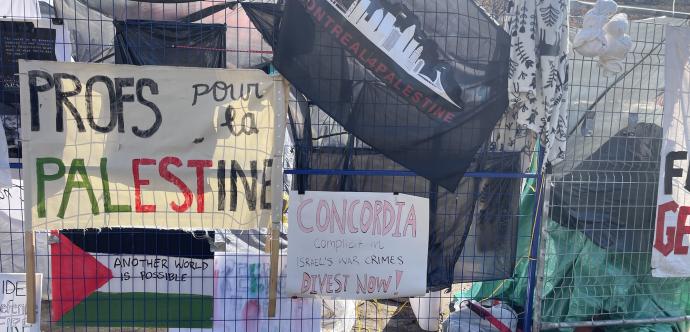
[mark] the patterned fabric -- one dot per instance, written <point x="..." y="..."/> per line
<point x="538" y="77"/>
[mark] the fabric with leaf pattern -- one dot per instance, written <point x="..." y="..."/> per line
<point x="538" y="75"/>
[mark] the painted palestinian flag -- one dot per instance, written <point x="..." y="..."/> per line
<point x="132" y="277"/>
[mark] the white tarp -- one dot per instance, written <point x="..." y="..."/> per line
<point x="20" y="8"/>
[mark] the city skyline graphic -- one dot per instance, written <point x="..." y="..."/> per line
<point x="396" y="31"/>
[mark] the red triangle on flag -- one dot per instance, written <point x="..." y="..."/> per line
<point x="76" y="274"/>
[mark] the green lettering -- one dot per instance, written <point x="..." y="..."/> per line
<point x="107" y="207"/>
<point x="77" y="166"/>
<point x="42" y="177"/>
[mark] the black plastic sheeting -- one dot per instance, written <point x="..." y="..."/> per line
<point x="490" y="205"/>
<point x="141" y="42"/>
<point x="264" y="16"/>
<point x="473" y="230"/>
<point x="611" y="196"/>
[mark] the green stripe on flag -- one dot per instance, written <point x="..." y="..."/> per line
<point x="142" y="310"/>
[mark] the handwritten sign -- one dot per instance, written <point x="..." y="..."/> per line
<point x="147" y="146"/>
<point x="241" y="298"/>
<point x="13" y="302"/>
<point x="670" y="256"/>
<point x="357" y="245"/>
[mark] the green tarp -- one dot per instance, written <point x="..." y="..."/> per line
<point x="584" y="282"/>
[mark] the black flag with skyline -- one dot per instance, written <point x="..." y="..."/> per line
<point x="423" y="82"/>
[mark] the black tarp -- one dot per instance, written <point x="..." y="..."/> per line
<point x="93" y="32"/>
<point x="611" y="195"/>
<point x="142" y="42"/>
<point x="426" y="95"/>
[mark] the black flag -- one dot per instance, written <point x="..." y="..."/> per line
<point x="423" y="82"/>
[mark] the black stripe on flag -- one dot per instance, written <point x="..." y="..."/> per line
<point x="143" y="241"/>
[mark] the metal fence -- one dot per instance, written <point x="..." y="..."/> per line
<point x="595" y="251"/>
<point x="337" y="161"/>
<point x="589" y="265"/>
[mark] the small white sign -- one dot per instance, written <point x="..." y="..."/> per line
<point x="357" y="245"/>
<point x="13" y="303"/>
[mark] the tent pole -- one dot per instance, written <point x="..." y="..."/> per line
<point x="534" y="246"/>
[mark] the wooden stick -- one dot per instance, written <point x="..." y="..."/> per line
<point x="275" y="267"/>
<point x="281" y="105"/>
<point x="30" y="261"/>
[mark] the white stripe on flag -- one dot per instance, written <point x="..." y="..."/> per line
<point x="157" y="274"/>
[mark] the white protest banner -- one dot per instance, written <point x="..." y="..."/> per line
<point x="357" y="245"/>
<point x="670" y="254"/>
<point x="241" y="298"/>
<point x="147" y="146"/>
<point x="13" y="302"/>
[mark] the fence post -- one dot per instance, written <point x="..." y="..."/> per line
<point x="534" y="245"/>
<point x="541" y="261"/>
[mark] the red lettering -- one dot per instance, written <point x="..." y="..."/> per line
<point x="426" y="102"/>
<point x="354" y="48"/>
<point x="371" y="62"/>
<point x="301" y="206"/>
<point x="397" y="220"/>
<point x="337" y="30"/>
<point x="439" y="112"/>
<point x="449" y="117"/>
<point x="166" y="174"/>
<point x="411" y="221"/>
<point x="381" y="68"/>
<point x="306" y="282"/>
<point x="329" y="20"/>
<point x="138" y="182"/>
<point x="407" y="90"/>
<point x="378" y="225"/>
<point x="345" y="39"/>
<point x="323" y="281"/>
<point x="389" y="222"/>
<point x="416" y="97"/>
<point x="681" y="230"/>
<point x="322" y="227"/>
<point x="350" y="219"/>
<point x="397" y="84"/>
<point x="199" y="166"/>
<point x="665" y="248"/>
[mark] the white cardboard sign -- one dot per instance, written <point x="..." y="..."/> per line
<point x="357" y="245"/>
<point x="165" y="147"/>
<point x="13" y="303"/>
